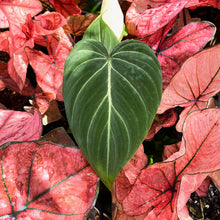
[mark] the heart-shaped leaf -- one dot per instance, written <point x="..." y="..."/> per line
<point x="110" y="101"/>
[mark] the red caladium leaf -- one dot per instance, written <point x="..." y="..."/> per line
<point x="25" y="35"/>
<point x="197" y="80"/>
<point x="193" y="4"/>
<point x="164" y="188"/>
<point x="77" y="24"/>
<point x="42" y="100"/>
<point x="29" y="30"/>
<point x="48" y="23"/>
<point x="44" y="180"/>
<point x="7" y="82"/>
<point x="61" y="36"/>
<point x="49" y="68"/>
<point x="60" y="136"/>
<point x="174" y="50"/>
<point x="2" y="107"/>
<point x="4" y="75"/>
<point x="170" y="149"/>
<point x="145" y="17"/>
<point x="155" y="40"/>
<point x="4" y="41"/>
<point x="15" y="11"/>
<point x="66" y="7"/>
<point x="4" y="58"/>
<point x="167" y="119"/>
<point x="19" y="126"/>
<point x="43" y="25"/>
<point x="17" y="65"/>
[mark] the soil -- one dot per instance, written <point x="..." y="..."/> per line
<point x="205" y="208"/>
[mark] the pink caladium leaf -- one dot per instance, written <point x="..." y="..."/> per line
<point x="163" y="189"/>
<point x="145" y="17"/>
<point x="202" y="191"/>
<point x="197" y="81"/>
<point x="44" y="25"/>
<point x="66" y="7"/>
<point x="22" y="36"/>
<point x="167" y="119"/>
<point x="19" y="126"/>
<point x="17" y="65"/>
<point x="49" y="68"/>
<point x="7" y="82"/>
<point x="48" y="23"/>
<point x="128" y="175"/>
<point x="193" y="4"/>
<point x="44" y="180"/>
<point x="170" y="149"/>
<point x="15" y="11"/>
<point x="30" y="29"/>
<point x="174" y="50"/>
<point x="125" y="180"/>
<point x="189" y="184"/>
<point x="216" y="178"/>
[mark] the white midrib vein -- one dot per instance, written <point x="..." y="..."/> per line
<point x="109" y="114"/>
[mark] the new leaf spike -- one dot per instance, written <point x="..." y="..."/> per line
<point x="112" y="15"/>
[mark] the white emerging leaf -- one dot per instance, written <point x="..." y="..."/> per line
<point x="112" y="15"/>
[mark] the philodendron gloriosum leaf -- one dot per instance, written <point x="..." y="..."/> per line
<point x="110" y="101"/>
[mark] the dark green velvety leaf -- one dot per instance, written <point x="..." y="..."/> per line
<point x="100" y="31"/>
<point x="111" y="101"/>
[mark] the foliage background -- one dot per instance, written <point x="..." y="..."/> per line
<point x="14" y="100"/>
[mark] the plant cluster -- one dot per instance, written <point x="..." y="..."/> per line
<point x="120" y="84"/>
